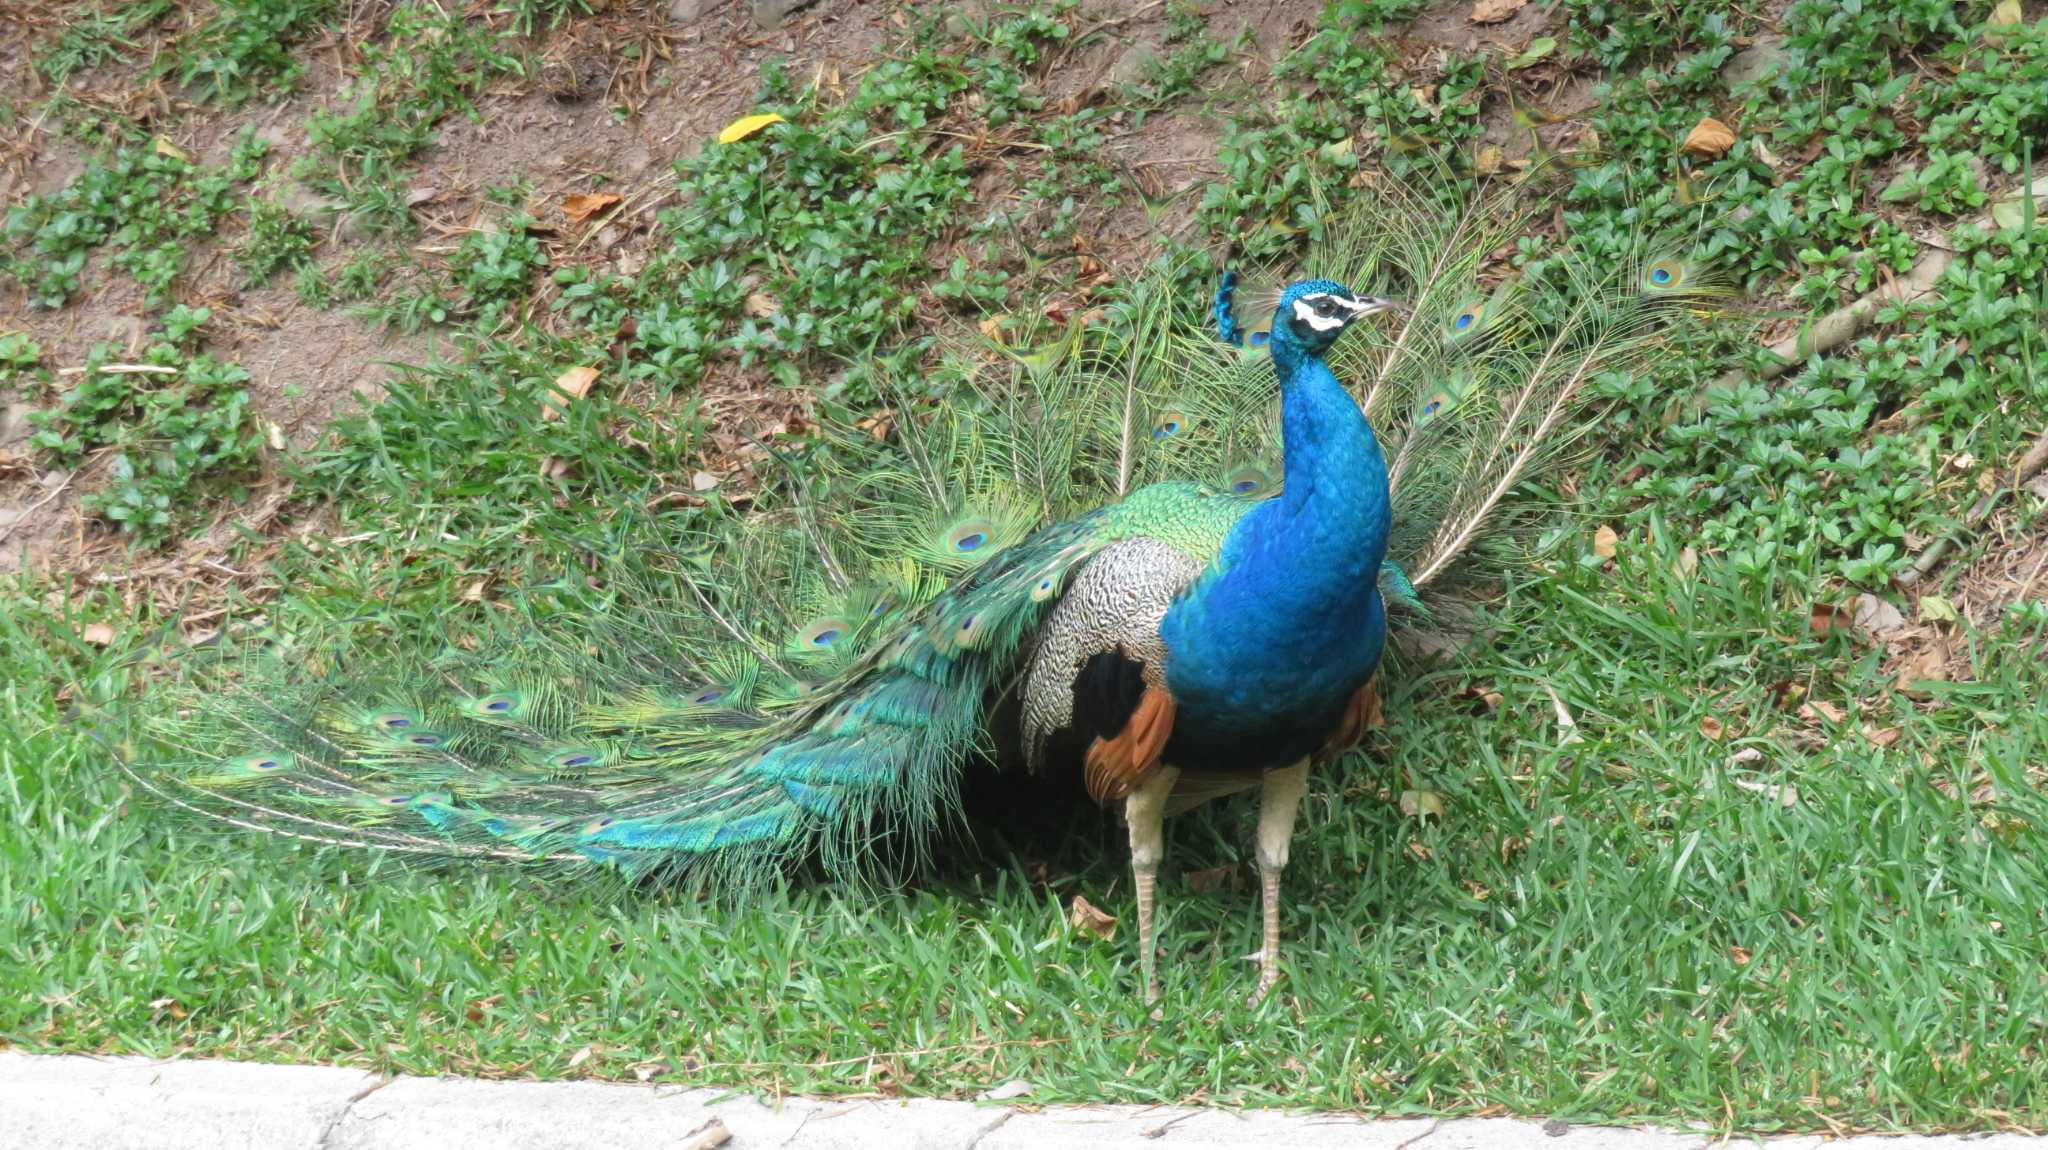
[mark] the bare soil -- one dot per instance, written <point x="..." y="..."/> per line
<point x="682" y="79"/>
<point x="561" y="132"/>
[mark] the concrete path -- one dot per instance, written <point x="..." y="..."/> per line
<point x="75" y="1103"/>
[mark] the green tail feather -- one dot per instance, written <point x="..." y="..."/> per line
<point x="813" y="675"/>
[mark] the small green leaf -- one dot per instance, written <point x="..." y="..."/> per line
<point x="1538" y="49"/>
<point x="1936" y="609"/>
<point x="1422" y="805"/>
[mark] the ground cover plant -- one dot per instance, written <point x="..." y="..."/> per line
<point x="1721" y="821"/>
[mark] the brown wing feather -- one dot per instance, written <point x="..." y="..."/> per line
<point x="1361" y="714"/>
<point x="1115" y="766"/>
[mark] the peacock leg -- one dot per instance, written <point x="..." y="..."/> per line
<point x="1279" y="798"/>
<point x="1145" y="812"/>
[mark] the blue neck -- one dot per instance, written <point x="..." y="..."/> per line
<point x="1336" y="492"/>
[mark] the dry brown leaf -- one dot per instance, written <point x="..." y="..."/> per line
<point x="1877" y="618"/>
<point x="1605" y="541"/>
<point x="1712" y="727"/>
<point x="1014" y="1088"/>
<point x="1881" y="738"/>
<point x="582" y="205"/>
<point x="572" y="384"/>
<point x="992" y="328"/>
<point x="709" y="1136"/>
<point x="1212" y="880"/>
<point x="98" y="634"/>
<point x="760" y="305"/>
<point x="1827" y="618"/>
<point x="1821" y="709"/>
<point x="1740" y="955"/>
<point x="1481" y="700"/>
<point x="1709" y="139"/>
<point x="1091" y="920"/>
<point x="1929" y="664"/>
<point x="1495" y="11"/>
<point x="1566" y="725"/>
<point x="880" y="424"/>
<point x="1419" y="852"/>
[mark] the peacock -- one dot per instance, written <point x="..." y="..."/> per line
<point x="1154" y="557"/>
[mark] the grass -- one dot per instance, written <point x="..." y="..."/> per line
<point x="1717" y="904"/>
<point x="1602" y="929"/>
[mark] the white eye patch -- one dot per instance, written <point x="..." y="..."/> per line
<point x="1310" y="309"/>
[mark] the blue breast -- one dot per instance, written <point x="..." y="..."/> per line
<point x="1265" y="650"/>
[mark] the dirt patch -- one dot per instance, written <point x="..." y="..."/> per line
<point x="2012" y="567"/>
<point x="618" y="100"/>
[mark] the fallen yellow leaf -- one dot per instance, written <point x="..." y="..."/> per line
<point x="1709" y="139"/>
<point x="2006" y="12"/>
<point x="571" y="384"/>
<point x="1495" y="11"/>
<point x="746" y="126"/>
<point x="1421" y="805"/>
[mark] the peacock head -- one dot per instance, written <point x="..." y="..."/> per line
<point x="1313" y="313"/>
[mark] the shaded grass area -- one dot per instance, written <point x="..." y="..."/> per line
<point x="1635" y="924"/>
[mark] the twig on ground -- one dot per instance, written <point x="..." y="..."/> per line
<point x="1840" y="326"/>
<point x="2030" y="463"/>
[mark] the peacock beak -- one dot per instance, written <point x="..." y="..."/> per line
<point x="1365" y="305"/>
